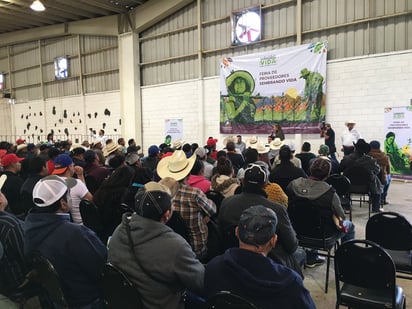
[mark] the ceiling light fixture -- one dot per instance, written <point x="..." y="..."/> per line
<point x="37" y="6"/>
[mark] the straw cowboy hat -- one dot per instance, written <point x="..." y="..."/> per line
<point x="21" y="147"/>
<point x="261" y="149"/>
<point x="276" y="144"/>
<point x="251" y="142"/>
<point x="110" y="148"/>
<point x="228" y="139"/>
<point x="177" y="166"/>
<point x="177" y="144"/>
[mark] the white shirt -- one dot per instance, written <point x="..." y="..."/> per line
<point x="350" y="137"/>
<point x="76" y="194"/>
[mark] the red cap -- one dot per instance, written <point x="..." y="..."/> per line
<point x="211" y="142"/>
<point x="20" y="141"/>
<point x="9" y="159"/>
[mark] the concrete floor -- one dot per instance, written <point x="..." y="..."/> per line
<point x="400" y="200"/>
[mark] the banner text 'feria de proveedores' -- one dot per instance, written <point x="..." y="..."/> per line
<point x="285" y="86"/>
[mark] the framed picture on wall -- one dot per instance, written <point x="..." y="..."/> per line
<point x="61" y="67"/>
<point x="246" y="26"/>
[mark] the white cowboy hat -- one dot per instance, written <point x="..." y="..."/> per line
<point x="276" y="144"/>
<point x="21" y="147"/>
<point x="110" y="148"/>
<point x="74" y="146"/>
<point x="261" y="149"/>
<point x="177" y="166"/>
<point x="252" y="141"/>
<point x="350" y="122"/>
<point x="177" y="143"/>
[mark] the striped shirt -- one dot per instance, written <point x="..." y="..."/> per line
<point x="193" y="205"/>
<point x="12" y="265"/>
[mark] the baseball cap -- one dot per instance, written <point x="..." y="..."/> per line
<point x="257" y="225"/>
<point x="31" y="146"/>
<point x="9" y="159"/>
<point x="132" y="158"/>
<point x="61" y="163"/>
<point x="153" y="200"/>
<point x="211" y="142"/>
<point x="49" y="190"/>
<point x="20" y="141"/>
<point x="153" y="150"/>
<point x="375" y="145"/>
<point x="201" y="152"/>
<point x="324" y="150"/>
<point x="255" y="174"/>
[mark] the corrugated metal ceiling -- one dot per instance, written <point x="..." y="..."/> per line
<point x="16" y="14"/>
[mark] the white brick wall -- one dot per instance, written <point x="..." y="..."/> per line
<point x="35" y="119"/>
<point x="358" y="88"/>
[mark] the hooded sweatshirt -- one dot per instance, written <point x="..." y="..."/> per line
<point x="257" y="278"/>
<point x="166" y="266"/>
<point x="200" y="182"/>
<point x="315" y="190"/>
<point x="75" y="251"/>
<point x="224" y="184"/>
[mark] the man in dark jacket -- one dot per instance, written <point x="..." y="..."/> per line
<point x="247" y="271"/>
<point x="75" y="251"/>
<point x="361" y="160"/>
<point x="157" y="260"/>
<point x="286" y="171"/>
<point x="253" y="194"/>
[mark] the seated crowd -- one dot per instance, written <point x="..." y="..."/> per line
<point x="231" y="204"/>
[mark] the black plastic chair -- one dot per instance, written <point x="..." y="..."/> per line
<point x="90" y="216"/>
<point x="314" y="231"/>
<point x="365" y="277"/>
<point x="177" y="224"/>
<point x="228" y="300"/>
<point x="43" y="273"/>
<point x="342" y="186"/>
<point x="393" y="232"/>
<point x="25" y="291"/>
<point x="359" y="184"/>
<point x="118" y="290"/>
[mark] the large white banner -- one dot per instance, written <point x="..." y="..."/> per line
<point x="398" y="140"/>
<point x="285" y="86"/>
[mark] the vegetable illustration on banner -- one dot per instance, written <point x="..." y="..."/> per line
<point x="284" y="86"/>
